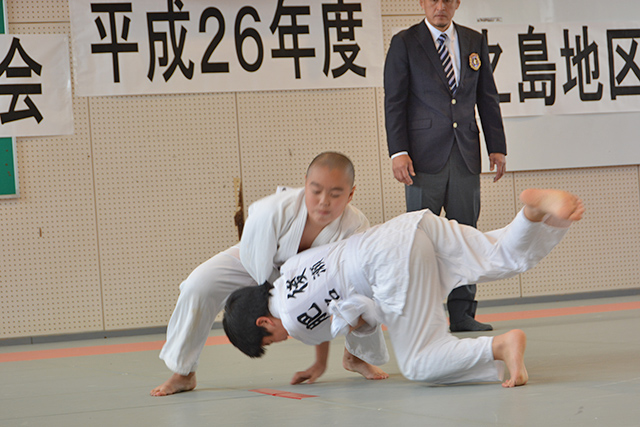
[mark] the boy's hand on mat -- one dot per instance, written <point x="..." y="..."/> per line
<point x="310" y="375"/>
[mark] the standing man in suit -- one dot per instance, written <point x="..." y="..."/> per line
<point x="436" y="73"/>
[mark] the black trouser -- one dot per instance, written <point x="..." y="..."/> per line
<point x="456" y="190"/>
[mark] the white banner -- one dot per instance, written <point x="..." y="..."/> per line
<point x="188" y="46"/>
<point x="565" y="68"/>
<point x="35" y="85"/>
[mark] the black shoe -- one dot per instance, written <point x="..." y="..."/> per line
<point x="470" y="325"/>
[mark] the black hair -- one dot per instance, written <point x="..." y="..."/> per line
<point x="242" y="310"/>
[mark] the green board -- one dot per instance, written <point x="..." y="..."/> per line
<point x="8" y="166"/>
<point x="8" y="175"/>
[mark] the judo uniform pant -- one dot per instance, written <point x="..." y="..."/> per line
<point x="202" y="297"/>
<point x="441" y="259"/>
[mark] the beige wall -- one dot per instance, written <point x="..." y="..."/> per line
<point x="112" y="218"/>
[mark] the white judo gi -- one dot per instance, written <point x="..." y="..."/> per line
<point x="270" y="236"/>
<point x="399" y="273"/>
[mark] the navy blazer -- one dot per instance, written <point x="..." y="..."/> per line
<point x="423" y="118"/>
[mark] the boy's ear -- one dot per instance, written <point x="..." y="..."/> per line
<point x="353" y="189"/>
<point x="263" y="321"/>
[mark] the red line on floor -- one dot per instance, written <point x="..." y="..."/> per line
<point x="80" y="351"/>
<point x="94" y="350"/>
<point x="556" y="312"/>
<point x="218" y="340"/>
<point x="280" y="393"/>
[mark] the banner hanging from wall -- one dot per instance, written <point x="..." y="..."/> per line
<point x="565" y="68"/>
<point x="9" y="183"/>
<point x="189" y="46"/>
<point x="35" y="85"/>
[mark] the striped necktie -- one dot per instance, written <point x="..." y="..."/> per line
<point x="443" y="53"/>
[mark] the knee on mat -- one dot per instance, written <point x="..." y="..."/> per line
<point x="415" y="371"/>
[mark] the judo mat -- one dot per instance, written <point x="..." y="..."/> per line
<point x="583" y="358"/>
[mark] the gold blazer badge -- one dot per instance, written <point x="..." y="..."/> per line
<point x="474" y="61"/>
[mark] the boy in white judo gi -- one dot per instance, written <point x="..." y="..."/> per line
<point x="399" y="273"/>
<point x="278" y="227"/>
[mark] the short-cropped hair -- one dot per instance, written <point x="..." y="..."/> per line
<point x="242" y="310"/>
<point x="335" y="160"/>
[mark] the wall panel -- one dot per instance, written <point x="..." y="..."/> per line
<point x="165" y="199"/>
<point x="37" y="11"/>
<point x="601" y="252"/>
<point x="392" y="190"/>
<point x="281" y="132"/>
<point x="401" y="7"/>
<point x="498" y="209"/>
<point x="49" y="274"/>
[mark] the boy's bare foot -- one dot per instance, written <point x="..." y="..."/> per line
<point x="510" y="348"/>
<point x="560" y="204"/>
<point x="354" y="364"/>
<point x="176" y="384"/>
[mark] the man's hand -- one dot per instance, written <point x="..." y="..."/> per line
<point x="498" y="161"/>
<point x="310" y="375"/>
<point x="402" y="166"/>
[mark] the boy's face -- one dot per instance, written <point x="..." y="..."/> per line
<point x="326" y="193"/>
<point x="273" y="325"/>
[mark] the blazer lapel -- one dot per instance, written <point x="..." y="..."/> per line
<point x="465" y="50"/>
<point x="426" y="42"/>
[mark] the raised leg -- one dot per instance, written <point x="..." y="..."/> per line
<point x="560" y="204"/>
